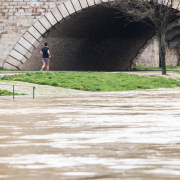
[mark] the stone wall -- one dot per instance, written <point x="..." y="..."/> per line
<point x="16" y="17"/>
<point x="150" y="56"/>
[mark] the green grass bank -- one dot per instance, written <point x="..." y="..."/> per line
<point x="95" y="81"/>
<point x="5" y="93"/>
<point x="1" y="69"/>
<point x="156" y="68"/>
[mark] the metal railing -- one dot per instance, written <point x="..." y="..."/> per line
<point x="13" y="88"/>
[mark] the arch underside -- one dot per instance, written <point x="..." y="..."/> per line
<point x="91" y="39"/>
<point x="173" y="35"/>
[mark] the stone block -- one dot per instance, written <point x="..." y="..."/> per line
<point x="57" y="14"/>
<point x="69" y="7"/>
<point x="132" y="66"/>
<point x="105" y="0"/>
<point x="83" y="3"/>
<point x="45" y="23"/>
<point x="34" y="32"/>
<point x="141" y="50"/>
<point x="8" y="66"/>
<point x="145" y="46"/>
<point x="20" y="10"/>
<point x="23" y="60"/>
<point x="22" y="3"/>
<point x="16" y="55"/>
<point x="29" y="37"/>
<point x="135" y="60"/>
<point x="2" y="62"/>
<point x="51" y="18"/>
<point x="27" y="55"/>
<point x="149" y="41"/>
<point x="21" y="66"/>
<point x="51" y="6"/>
<point x="63" y="10"/>
<point x="36" y="44"/>
<point x="49" y="3"/>
<point x="31" y="49"/>
<point x="12" y="61"/>
<point x="76" y="5"/>
<point x="25" y="43"/>
<point x="40" y="39"/>
<point x="20" y="49"/>
<point x="91" y="2"/>
<point x="39" y="27"/>
<point x="5" y="3"/>
<point x="27" y="7"/>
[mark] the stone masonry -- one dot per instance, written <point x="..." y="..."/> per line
<point x="150" y="56"/>
<point x="88" y="41"/>
<point x="24" y="30"/>
<point x="16" y="17"/>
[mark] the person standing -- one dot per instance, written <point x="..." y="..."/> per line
<point x="45" y="57"/>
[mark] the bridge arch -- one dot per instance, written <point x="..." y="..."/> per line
<point x="87" y="55"/>
<point x="173" y="35"/>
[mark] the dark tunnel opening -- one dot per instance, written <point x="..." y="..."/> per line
<point x="92" y="40"/>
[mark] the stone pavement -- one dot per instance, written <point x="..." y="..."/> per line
<point x="27" y="88"/>
<point x="9" y="73"/>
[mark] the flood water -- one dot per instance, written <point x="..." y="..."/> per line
<point x="79" y="136"/>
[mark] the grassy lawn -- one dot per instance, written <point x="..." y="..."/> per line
<point x="156" y="68"/>
<point x="95" y="81"/>
<point x="1" y="69"/>
<point x="8" y="93"/>
<point x="5" y="93"/>
<point x="177" y="71"/>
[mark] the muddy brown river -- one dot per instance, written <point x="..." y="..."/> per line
<point x="79" y="136"/>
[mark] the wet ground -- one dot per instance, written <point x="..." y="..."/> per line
<point x="115" y="135"/>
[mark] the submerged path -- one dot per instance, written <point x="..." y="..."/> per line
<point x="27" y="88"/>
<point x="78" y="136"/>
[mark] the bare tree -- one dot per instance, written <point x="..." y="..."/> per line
<point x="156" y="13"/>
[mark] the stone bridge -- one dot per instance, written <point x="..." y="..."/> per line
<point x="82" y="35"/>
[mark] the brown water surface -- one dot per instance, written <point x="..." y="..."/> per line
<point x="114" y="135"/>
